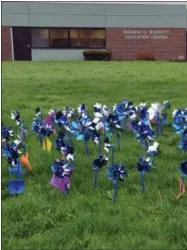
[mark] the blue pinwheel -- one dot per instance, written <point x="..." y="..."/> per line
<point x="152" y="151"/>
<point x="60" y="141"/>
<point x="12" y="155"/>
<point x="144" y="134"/>
<point x="6" y="135"/>
<point x="98" y="163"/>
<point x="116" y="173"/>
<point x="180" y="118"/>
<point x="82" y="133"/>
<point x="167" y="105"/>
<point x="143" y="166"/>
<point x="37" y="123"/>
<point x="115" y="127"/>
<point x="124" y="110"/>
<point x="15" y="115"/>
<point x="183" y="142"/>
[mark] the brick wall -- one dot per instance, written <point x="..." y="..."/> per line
<point x="165" y="44"/>
<point x="6" y="49"/>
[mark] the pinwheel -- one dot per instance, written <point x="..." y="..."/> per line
<point x="6" y="135"/>
<point x="167" y="105"/>
<point x="107" y="144"/>
<point x="82" y="133"/>
<point x="62" y="172"/>
<point x="183" y="172"/>
<point x="152" y="151"/>
<point x="43" y="130"/>
<point x="115" y="127"/>
<point x="37" y="123"/>
<point x="144" y="134"/>
<point x="156" y="108"/>
<point x="15" y="115"/>
<point x="142" y="112"/>
<point x="60" y="141"/>
<point x="13" y="152"/>
<point x="124" y="111"/>
<point x="98" y="163"/>
<point x="116" y="173"/>
<point x="12" y="155"/>
<point x="143" y="166"/>
<point x="183" y="142"/>
<point x="50" y="120"/>
<point x="180" y="118"/>
<point x="24" y="159"/>
<point x="101" y="114"/>
<point x="68" y="152"/>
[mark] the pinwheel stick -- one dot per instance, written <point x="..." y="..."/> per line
<point x="45" y="141"/>
<point x="157" y="124"/>
<point x="86" y="147"/>
<point x="115" y="191"/>
<point x="125" y="126"/>
<point x="95" y="177"/>
<point x="96" y="170"/>
<point x="70" y="138"/>
<point x="118" y="138"/>
<point x="41" y="139"/>
<point x="142" y="181"/>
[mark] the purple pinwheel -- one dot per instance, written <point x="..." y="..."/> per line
<point x="50" y="120"/>
<point x="62" y="172"/>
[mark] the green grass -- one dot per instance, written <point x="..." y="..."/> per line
<point x="43" y="218"/>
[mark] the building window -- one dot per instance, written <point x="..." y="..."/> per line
<point x="82" y="38"/>
<point x="87" y="38"/>
<point x="59" y="38"/>
<point x="40" y="38"/>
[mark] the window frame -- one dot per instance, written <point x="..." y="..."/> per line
<point x="69" y="40"/>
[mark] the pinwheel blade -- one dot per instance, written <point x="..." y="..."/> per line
<point x="16" y="187"/>
<point x="47" y="145"/>
<point x="25" y="161"/>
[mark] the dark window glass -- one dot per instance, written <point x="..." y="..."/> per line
<point x="59" y="38"/>
<point x="40" y="38"/>
<point x="68" y="38"/>
<point x="87" y="38"/>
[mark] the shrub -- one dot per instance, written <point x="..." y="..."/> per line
<point x="145" y="56"/>
<point x="98" y="55"/>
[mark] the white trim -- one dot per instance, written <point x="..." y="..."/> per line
<point x="12" y="43"/>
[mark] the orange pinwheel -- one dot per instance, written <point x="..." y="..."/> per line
<point x="25" y="161"/>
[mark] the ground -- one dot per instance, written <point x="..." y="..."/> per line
<point x="43" y="218"/>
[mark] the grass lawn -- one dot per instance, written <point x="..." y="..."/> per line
<point x="44" y="218"/>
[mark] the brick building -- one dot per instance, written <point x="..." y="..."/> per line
<point x="41" y="31"/>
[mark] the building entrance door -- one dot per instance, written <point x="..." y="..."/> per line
<point x="22" y="44"/>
